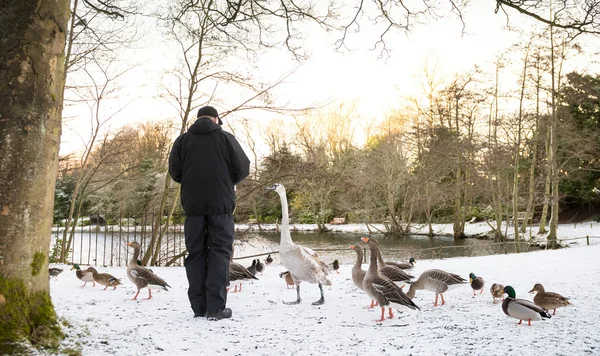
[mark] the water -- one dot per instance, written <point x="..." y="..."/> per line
<point x="106" y="248"/>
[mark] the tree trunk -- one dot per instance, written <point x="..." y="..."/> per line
<point x="552" y="236"/>
<point x="32" y="42"/>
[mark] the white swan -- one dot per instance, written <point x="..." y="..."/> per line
<point x="303" y="263"/>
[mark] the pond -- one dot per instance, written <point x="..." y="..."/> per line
<point x="107" y="248"/>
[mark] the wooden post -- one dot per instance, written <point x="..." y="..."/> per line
<point x="364" y="254"/>
<point x="587" y="237"/>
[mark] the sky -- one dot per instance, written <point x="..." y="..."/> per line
<point x="362" y="75"/>
<point x="108" y="322"/>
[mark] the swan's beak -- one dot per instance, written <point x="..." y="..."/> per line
<point x="273" y="187"/>
<point x="365" y="239"/>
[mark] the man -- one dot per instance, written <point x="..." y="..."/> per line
<point x="208" y="162"/>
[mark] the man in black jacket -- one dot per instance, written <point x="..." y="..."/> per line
<point x="208" y="162"/>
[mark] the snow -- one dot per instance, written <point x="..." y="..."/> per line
<point x="109" y="322"/>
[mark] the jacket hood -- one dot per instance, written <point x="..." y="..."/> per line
<point x="203" y="125"/>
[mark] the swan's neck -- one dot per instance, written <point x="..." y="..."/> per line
<point x="374" y="257"/>
<point x="285" y="219"/>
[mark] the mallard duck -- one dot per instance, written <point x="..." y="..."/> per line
<point x="289" y="281"/>
<point x="105" y="279"/>
<point x="336" y="266"/>
<point x="252" y="268"/>
<point x="141" y="276"/>
<point x="268" y="260"/>
<point x="239" y="274"/>
<point x="260" y="267"/>
<point x="522" y="309"/>
<point x="497" y="291"/>
<point x="381" y="289"/>
<point x="477" y="283"/>
<point x="83" y="275"/>
<point x="54" y="272"/>
<point x="303" y="263"/>
<point x="548" y="300"/>
<point x="437" y="281"/>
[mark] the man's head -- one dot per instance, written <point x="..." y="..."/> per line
<point x="210" y="112"/>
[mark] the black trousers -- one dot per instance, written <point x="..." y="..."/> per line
<point x="209" y="241"/>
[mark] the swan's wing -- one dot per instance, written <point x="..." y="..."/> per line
<point x="309" y="251"/>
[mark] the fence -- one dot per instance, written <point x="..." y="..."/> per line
<point x="104" y="245"/>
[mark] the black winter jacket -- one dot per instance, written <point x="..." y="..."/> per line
<point x="208" y="162"/>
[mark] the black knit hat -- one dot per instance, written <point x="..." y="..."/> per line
<point x="209" y="111"/>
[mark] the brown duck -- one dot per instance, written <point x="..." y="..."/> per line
<point x="141" y="276"/>
<point x="497" y="291"/>
<point x="105" y="279"/>
<point x="548" y="300"/>
<point x="289" y="281"/>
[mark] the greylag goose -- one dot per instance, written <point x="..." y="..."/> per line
<point x="84" y="276"/>
<point x="260" y="267"/>
<point x="358" y="274"/>
<point x="548" y="300"/>
<point x="522" y="309"/>
<point x="239" y="274"/>
<point x="392" y="271"/>
<point x="477" y="283"/>
<point x="141" y="276"/>
<point x="105" y="279"/>
<point x="497" y="291"/>
<point x="403" y="265"/>
<point x="437" y="281"/>
<point x="383" y="290"/>
<point x="303" y="263"/>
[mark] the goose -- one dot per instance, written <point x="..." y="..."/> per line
<point x="289" y="281"/>
<point x="403" y="265"/>
<point x="260" y="267"/>
<point x="239" y="274"/>
<point x="269" y="260"/>
<point x="141" y="276"/>
<point x="522" y="309"/>
<point x="477" y="283"/>
<point x="358" y="274"/>
<point x="105" y="279"/>
<point x="303" y="263"/>
<point x="548" y="300"/>
<point x="391" y="270"/>
<point x="383" y="290"/>
<point x="84" y="276"/>
<point x="497" y="291"/>
<point x="437" y="281"/>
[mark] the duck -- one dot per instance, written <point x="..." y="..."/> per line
<point x="302" y="262"/>
<point x="54" y="272"/>
<point x="289" y="281"/>
<point x="105" y="279"/>
<point x="141" y="276"/>
<point x="497" y="291"/>
<point x="381" y="289"/>
<point x="437" y="281"/>
<point x="548" y="300"/>
<point x="260" y="267"/>
<point x="477" y="283"/>
<point x="522" y="309"/>
<point x="336" y="266"/>
<point x="83" y="275"/>
<point x="252" y="268"/>
<point x="268" y="260"/>
<point x="239" y="274"/>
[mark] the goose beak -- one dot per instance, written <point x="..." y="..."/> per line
<point x="128" y="244"/>
<point x="365" y="239"/>
<point x="352" y="247"/>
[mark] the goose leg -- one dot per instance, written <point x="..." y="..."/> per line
<point x="435" y="304"/>
<point x="298" y="300"/>
<point x="322" y="300"/>
<point x="391" y="313"/>
<point x="443" y="301"/>
<point x="373" y="304"/>
<point x="149" y="294"/>
<point x="519" y="323"/>
<point x="382" y="315"/>
<point x="136" y="294"/>
<point x="554" y="312"/>
<point x="529" y="322"/>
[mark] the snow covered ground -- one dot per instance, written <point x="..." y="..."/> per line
<point x="109" y="323"/>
